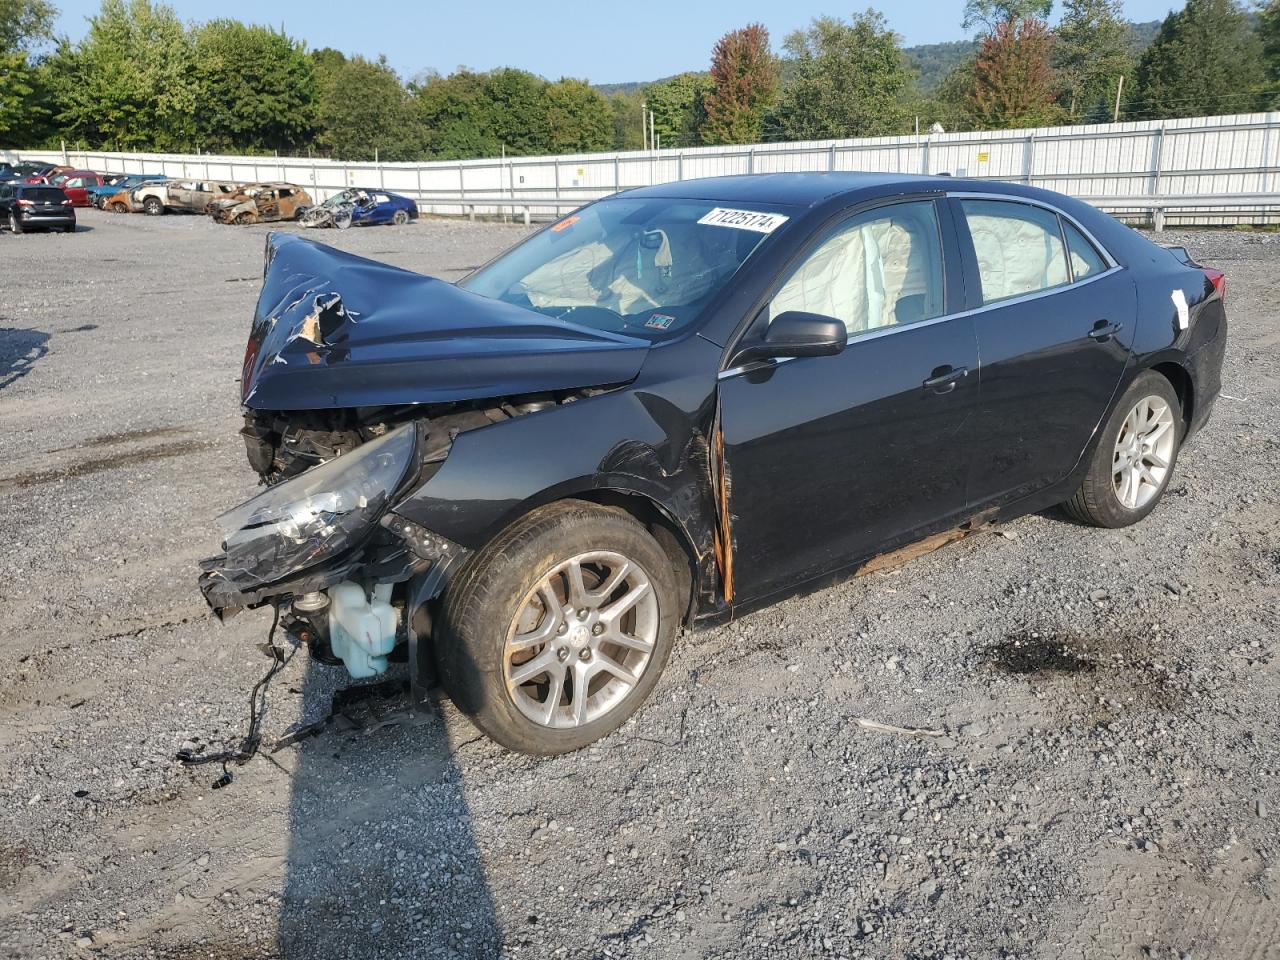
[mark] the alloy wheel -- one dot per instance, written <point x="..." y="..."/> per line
<point x="581" y="640"/>
<point x="1143" y="453"/>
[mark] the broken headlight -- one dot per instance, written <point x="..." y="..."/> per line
<point x="312" y="517"/>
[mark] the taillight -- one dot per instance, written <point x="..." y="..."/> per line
<point x="1219" y="281"/>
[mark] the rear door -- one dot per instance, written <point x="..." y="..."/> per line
<point x="1055" y="321"/>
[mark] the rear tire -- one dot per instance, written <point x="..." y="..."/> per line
<point x="496" y="626"/>
<point x="1135" y="457"/>
<point x="400" y="218"/>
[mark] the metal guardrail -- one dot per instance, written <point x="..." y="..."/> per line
<point x="1160" y="207"/>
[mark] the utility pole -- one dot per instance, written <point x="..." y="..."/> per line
<point x="653" y="136"/>
<point x="1115" y="117"/>
<point x="644" y="126"/>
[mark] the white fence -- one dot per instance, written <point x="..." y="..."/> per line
<point x="1204" y="170"/>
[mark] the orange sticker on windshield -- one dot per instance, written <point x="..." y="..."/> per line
<point x="565" y="224"/>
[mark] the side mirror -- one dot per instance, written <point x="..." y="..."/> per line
<point x="797" y="334"/>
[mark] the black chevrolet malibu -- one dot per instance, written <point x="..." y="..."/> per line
<point x="685" y="402"/>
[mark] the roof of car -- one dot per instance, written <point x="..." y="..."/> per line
<point x="794" y="189"/>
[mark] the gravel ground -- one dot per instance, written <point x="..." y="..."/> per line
<point x="1105" y="785"/>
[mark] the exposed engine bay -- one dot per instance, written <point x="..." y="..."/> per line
<point x="282" y="444"/>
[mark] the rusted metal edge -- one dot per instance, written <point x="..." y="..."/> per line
<point x="724" y="532"/>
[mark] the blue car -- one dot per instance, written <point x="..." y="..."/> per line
<point x="360" y="208"/>
<point x="126" y="181"/>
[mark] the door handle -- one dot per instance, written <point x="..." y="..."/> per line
<point x="944" y="378"/>
<point x="1104" y="330"/>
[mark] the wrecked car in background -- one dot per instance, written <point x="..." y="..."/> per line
<point x="157" y="197"/>
<point x="119" y="183"/>
<point x="261" y="203"/>
<point x="683" y="403"/>
<point x="361" y="208"/>
<point x="144" y="197"/>
<point x="197" y="196"/>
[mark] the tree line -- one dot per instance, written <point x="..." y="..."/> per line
<point x="142" y="79"/>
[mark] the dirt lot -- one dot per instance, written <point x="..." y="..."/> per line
<point x="1107" y="785"/>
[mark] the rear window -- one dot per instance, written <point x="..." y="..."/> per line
<point x="47" y="194"/>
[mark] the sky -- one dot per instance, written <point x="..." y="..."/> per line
<point x="602" y="41"/>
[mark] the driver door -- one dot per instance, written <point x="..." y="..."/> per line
<point x="831" y="460"/>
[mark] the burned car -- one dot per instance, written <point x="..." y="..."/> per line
<point x="133" y="196"/>
<point x="361" y="208"/>
<point x="685" y="402"/>
<point x="261" y="203"/>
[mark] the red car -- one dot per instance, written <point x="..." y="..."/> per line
<point x="75" y="182"/>
<point x="44" y="174"/>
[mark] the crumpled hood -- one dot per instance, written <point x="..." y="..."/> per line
<point x="335" y="330"/>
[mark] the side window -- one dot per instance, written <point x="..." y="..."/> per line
<point x="1019" y="248"/>
<point x="882" y="269"/>
<point x="286" y="193"/>
<point x="1085" y="260"/>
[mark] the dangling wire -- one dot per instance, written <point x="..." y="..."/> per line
<point x="257" y="708"/>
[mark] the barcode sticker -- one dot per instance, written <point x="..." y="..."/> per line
<point x="744" y="220"/>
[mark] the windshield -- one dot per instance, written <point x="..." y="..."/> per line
<point x="345" y="197"/>
<point x="643" y="266"/>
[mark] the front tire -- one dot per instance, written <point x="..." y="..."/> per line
<point x="1135" y="456"/>
<point x="555" y="633"/>
<point x="14" y="223"/>
<point x="152" y="207"/>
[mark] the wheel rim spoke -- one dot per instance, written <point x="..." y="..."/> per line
<point x="1144" y="450"/>
<point x="542" y="663"/>
<point x="625" y="602"/>
<point x="586" y="651"/>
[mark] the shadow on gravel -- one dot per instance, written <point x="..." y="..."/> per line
<point x="1100" y="674"/>
<point x="20" y="350"/>
<point x="382" y="857"/>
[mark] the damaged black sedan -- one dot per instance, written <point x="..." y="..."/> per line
<point x="684" y="402"/>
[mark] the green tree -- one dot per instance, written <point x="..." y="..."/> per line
<point x="847" y="80"/>
<point x="455" y="116"/>
<point x="256" y="86"/>
<point x="17" y="90"/>
<point x="744" y="77"/>
<point x="518" y="110"/>
<point x="579" y="119"/>
<point x="989" y="14"/>
<point x="952" y="103"/>
<point x="627" y="122"/>
<point x="1091" y="53"/>
<point x="130" y="83"/>
<point x="365" y="113"/>
<point x="1013" y="80"/>
<point x="1269" y="38"/>
<point x="24" y="24"/>
<point x="677" y="108"/>
<point x="1205" y="60"/>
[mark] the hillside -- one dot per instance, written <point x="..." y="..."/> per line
<point x="932" y="61"/>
